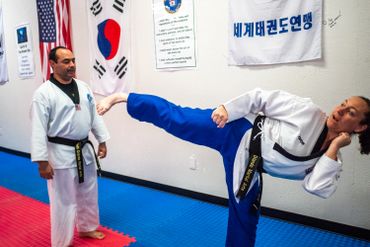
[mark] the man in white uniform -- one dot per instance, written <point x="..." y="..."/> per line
<point x="63" y="114"/>
<point x="295" y="139"/>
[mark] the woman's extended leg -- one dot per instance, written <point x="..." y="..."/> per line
<point x="191" y="124"/>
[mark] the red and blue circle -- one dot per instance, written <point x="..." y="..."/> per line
<point x="108" y="38"/>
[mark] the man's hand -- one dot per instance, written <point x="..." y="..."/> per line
<point x="220" y="116"/>
<point x="102" y="150"/>
<point x="45" y="170"/>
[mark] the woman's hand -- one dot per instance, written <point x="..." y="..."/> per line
<point x="342" y="140"/>
<point x="220" y="116"/>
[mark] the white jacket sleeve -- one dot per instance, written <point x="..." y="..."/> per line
<point x="40" y="118"/>
<point x="98" y="127"/>
<point x="274" y="104"/>
<point x="322" y="181"/>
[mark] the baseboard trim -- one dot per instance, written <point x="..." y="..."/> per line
<point x="167" y="188"/>
<point x="339" y="228"/>
<point x="348" y="230"/>
<point x="15" y="152"/>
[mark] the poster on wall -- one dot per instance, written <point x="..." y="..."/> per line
<point x="271" y="32"/>
<point x="174" y="34"/>
<point x="110" y="47"/>
<point x="4" y="77"/>
<point x="26" y="68"/>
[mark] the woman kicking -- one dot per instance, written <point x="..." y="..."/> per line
<point x="260" y="131"/>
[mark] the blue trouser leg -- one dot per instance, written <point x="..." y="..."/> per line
<point x="242" y="222"/>
<point x="195" y="125"/>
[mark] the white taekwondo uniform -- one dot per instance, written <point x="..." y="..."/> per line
<point x="55" y="115"/>
<point x="294" y="124"/>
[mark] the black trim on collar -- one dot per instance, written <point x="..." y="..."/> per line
<point x="71" y="89"/>
<point x="320" y="140"/>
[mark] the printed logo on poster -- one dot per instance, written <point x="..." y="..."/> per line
<point x="172" y="6"/>
<point x="22" y="35"/>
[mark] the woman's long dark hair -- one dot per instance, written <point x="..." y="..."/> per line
<point x="364" y="136"/>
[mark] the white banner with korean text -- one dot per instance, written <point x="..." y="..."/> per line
<point x="271" y="32"/>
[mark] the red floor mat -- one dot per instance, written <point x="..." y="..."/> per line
<point x="26" y="222"/>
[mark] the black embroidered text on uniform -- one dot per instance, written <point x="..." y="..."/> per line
<point x="301" y="140"/>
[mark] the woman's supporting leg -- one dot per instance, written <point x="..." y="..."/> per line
<point x="243" y="220"/>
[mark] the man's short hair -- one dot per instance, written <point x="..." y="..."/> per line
<point x="53" y="53"/>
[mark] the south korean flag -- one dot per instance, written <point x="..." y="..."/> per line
<point x="109" y="31"/>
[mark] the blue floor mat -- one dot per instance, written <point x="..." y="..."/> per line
<point x="160" y="219"/>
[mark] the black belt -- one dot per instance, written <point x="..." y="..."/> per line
<point x="78" y="145"/>
<point x="255" y="162"/>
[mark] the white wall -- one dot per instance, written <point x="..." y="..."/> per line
<point x="145" y="152"/>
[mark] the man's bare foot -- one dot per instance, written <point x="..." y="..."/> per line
<point x="93" y="234"/>
<point x="105" y="104"/>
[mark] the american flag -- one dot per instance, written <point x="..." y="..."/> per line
<point x="54" y="29"/>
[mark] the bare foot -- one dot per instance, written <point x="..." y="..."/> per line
<point x="93" y="234"/>
<point x="105" y="104"/>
